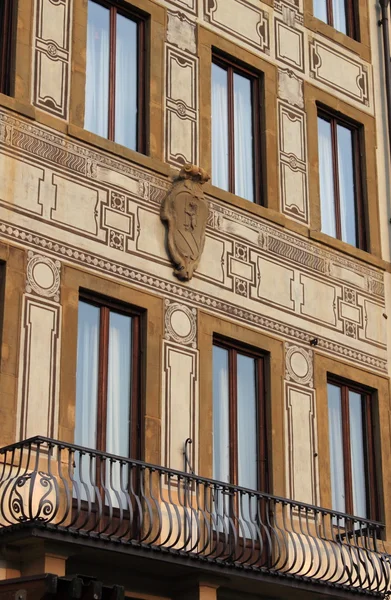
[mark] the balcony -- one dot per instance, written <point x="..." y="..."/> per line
<point x="74" y="492"/>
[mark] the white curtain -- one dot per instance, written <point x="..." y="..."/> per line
<point x="219" y="127"/>
<point x="97" y="75"/>
<point x="118" y="403"/>
<point x="339" y="14"/>
<point x="86" y="394"/>
<point x="326" y="178"/>
<point x="320" y="10"/>
<point x="220" y="415"/>
<point x="336" y="448"/>
<point x="357" y="455"/>
<point x="126" y="83"/>
<point x="243" y="136"/>
<point x="247" y="419"/>
<point x="346" y="185"/>
<point x="221" y="439"/>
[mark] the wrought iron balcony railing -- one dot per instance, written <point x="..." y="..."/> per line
<point x="74" y="489"/>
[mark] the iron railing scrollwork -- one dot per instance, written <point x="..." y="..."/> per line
<point x="75" y="489"/>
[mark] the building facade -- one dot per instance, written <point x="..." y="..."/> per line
<point x="195" y="280"/>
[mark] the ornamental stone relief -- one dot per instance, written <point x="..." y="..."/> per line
<point x="299" y="365"/>
<point x="180" y="323"/>
<point x="43" y="276"/>
<point x="185" y="211"/>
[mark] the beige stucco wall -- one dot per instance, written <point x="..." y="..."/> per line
<point x="79" y="211"/>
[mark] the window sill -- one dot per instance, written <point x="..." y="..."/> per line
<point x="353" y="252"/>
<point x="246" y="205"/>
<point x="27" y="110"/>
<point x="318" y="26"/>
<point x="120" y="151"/>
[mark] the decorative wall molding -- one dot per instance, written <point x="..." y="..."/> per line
<point x="339" y="71"/>
<point x="40" y="348"/>
<point x="117" y="231"/>
<point x="181" y="107"/>
<point x="159" y="285"/>
<point x="289" y="45"/>
<point x="180" y="323"/>
<point x="290" y="88"/>
<point x="242" y="20"/>
<point x="52" y="56"/>
<point x="299" y="366"/>
<point x="301" y="448"/>
<point x="181" y="32"/>
<point x="293" y="162"/>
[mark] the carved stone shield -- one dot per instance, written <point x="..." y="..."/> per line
<point x="186" y="212"/>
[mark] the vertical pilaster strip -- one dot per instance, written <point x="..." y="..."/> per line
<point x="181" y="91"/>
<point x="52" y="56"/>
<point x="40" y="349"/>
<point x="180" y="386"/>
<point x="301" y="448"/>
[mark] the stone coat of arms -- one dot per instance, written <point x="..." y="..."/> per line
<point x="185" y="211"/>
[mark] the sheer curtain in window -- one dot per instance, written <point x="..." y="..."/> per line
<point x="336" y="448"/>
<point x="126" y="104"/>
<point x="118" y="404"/>
<point x="339" y="15"/>
<point x="247" y="436"/>
<point x="357" y="455"/>
<point x="97" y="70"/>
<point x="346" y="185"/>
<point x="86" y="395"/>
<point x="243" y="136"/>
<point x="320" y="10"/>
<point x="219" y="127"/>
<point x="326" y="178"/>
<point x="221" y="441"/>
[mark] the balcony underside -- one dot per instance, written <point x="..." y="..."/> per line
<point x="161" y="572"/>
<point x="181" y="525"/>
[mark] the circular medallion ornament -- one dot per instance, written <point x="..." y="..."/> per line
<point x="43" y="276"/>
<point x="180" y="323"/>
<point x="299" y="365"/>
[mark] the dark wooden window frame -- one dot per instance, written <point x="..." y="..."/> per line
<point x="234" y="348"/>
<point x="368" y="444"/>
<point x="229" y="65"/>
<point x="351" y="17"/>
<point x="107" y="305"/>
<point x="336" y="119"/>
<point x="126" y="11"/>
<point x="7" y="41"/>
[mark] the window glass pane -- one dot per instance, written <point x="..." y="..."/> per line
<point x="220" y="415"/>
<point x="336" y="447"/>
<point x="243" y="137"/>
<point x="219" y="127"/>
<point x="357" y="454"/>
<point x="326" y="178"/>
<point x="118" y="384"/>
<point x="320" y="10"/>
<point x="87" y="375"/>
<point x="126" y="83"/>
<point x="339" y="15"/>
<point x="346" y="184"/>
<point x="247" y="422"/>
<point x="97" y="75"/>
